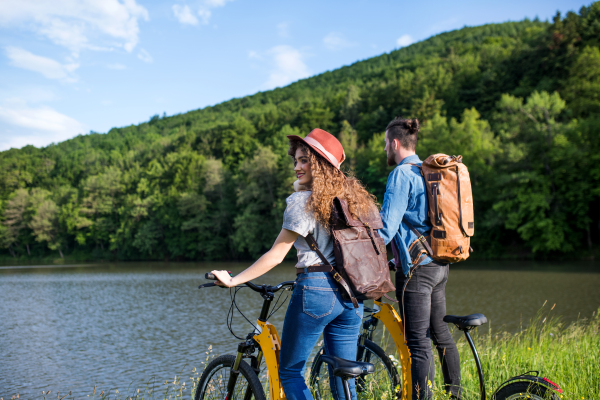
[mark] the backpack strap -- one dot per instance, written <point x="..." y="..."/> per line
<point x="423" y="243"/>
<point x="338" y="278"/>
<point x="420" y="238"/>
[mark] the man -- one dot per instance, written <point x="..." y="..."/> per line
<point x="421" y="283"/>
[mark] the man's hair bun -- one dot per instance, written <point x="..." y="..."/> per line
<point x="405" y="130"/>
<point x="413" y="126"/>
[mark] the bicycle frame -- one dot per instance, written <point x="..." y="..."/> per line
<point x="270" y="346"/>
<point x="392" y="321"/>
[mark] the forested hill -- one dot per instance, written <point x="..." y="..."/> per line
<point x="519" y="100"/>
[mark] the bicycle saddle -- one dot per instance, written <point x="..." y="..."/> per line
<point x="466" y="322"/>
<point x="346" y="368"/>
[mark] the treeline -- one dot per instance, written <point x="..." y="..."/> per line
<point x="519" y="100"/>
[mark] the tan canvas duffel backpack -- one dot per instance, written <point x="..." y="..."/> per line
<point x="450" y="211"/>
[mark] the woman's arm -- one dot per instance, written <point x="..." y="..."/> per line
<point x="268" y="261"/>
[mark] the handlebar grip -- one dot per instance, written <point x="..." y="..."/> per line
<point x="210" y="276"/>
<point x="207" y="285"/>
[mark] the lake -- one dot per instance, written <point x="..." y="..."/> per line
<point x="119" y="325"/>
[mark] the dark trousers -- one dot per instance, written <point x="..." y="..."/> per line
<point x="422" y="309"/>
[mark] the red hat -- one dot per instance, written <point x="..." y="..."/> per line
<point x="325" y="144"/>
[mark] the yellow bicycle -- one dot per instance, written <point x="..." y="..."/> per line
<point x="386" y="376"/>
<point x="230" y="377"/>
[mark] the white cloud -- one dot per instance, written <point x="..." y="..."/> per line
<point x="289" y="66"/>
<point x="78" y="24"/>
<point x="48" y="67"/>
<point x="404" y="40"/>
<point x="184" y="14"/>
<point x="205" y="14"/>
<point x="254" y="55"/>
<point x="216" y="3"/>
<point x="38" y="126"/>
<point x="283" y="29"/>
<point x="145" y="56"/>
<point x="335" y="41"/>
<point x="205" y="9"/>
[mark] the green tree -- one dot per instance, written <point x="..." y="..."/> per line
<point x="260" y="209"/>
<point x="582" y="89"/>
<point x="99" y="205"/>
<point x="351" y="107"/>
<point x="349" y="140"/>
<point x="534" y="199"/>
<point x="15" y="220"/>
<point x="44" y="224"/>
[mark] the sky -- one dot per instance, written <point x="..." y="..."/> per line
<point x="68" y="67"/>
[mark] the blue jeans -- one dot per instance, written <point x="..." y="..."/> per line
<point x="317" y="307"/>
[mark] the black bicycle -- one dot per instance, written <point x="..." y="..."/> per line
<point x="526" y="386"/>
<point x="521" y="387"/>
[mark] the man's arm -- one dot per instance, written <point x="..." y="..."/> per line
<point x="395" y="202"/>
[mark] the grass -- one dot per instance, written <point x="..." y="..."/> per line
<point x="566" y="354"/>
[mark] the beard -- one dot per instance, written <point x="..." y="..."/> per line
<point x="391" y="159"/>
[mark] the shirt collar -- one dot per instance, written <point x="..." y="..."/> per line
<point x="411" y="159"/>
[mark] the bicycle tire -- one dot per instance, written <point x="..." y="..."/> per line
<point x="385" y="377"/>
<point x="525" y="390"/>
<point x="213" y="382"/>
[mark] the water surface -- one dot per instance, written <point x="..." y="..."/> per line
<point x="68" y="328"/>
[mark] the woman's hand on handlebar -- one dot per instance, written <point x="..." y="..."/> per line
<point x="223" y="278"/>
<point x="270" y="259"/>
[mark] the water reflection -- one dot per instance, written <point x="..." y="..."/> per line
<point x="111" y="325"/>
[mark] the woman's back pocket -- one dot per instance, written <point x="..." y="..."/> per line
<point x="318" y="302"/>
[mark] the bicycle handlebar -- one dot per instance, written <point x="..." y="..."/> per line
<point x="256" y="288"/>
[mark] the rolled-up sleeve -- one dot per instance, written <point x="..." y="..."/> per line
<point x="295" y="217"/>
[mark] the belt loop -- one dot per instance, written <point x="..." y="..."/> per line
<point x="306" y="270"/>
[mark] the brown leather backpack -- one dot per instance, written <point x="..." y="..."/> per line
<point x="360" y="254"/>
<point x="450" y="211"/>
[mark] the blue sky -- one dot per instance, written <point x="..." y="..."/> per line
<point x="73" y="66"/>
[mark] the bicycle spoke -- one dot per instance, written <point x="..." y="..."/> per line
<point x="216" y="387"/>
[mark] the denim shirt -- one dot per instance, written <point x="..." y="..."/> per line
<point x="405" y="196"/>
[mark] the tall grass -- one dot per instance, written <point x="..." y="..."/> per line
<point x="567" y="355"/>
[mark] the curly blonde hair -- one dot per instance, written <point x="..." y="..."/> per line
<point x="328" y="182"/>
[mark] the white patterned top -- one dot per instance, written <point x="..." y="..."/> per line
<point x="298" y="219"/>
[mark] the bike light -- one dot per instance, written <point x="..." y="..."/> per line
<point x="558" y="389"/>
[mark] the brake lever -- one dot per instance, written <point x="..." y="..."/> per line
<point x="207" y="285"/>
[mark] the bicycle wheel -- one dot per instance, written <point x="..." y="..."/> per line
<point x="384" y="379"/>
<point x="214" y="379"/>
<point x="525" y="391"/>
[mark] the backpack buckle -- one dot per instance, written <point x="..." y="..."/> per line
<point x="337" y="277"/>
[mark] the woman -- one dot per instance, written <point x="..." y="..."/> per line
<point x="316" y="306"/>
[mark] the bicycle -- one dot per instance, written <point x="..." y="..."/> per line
<point x="221" y="377"/>
<point x="386" y="375"/>
<point x="519" y="387"/>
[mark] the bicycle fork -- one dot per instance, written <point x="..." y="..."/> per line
<point x="235" y="371"/>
